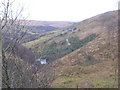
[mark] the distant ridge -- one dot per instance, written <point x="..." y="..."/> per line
<point x="47" y="23"/>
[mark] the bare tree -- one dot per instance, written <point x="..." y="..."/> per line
<point x="0" y="59"/>
<point x="12" y="33"/>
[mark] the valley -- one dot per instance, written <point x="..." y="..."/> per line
<point x="67" y="54"/>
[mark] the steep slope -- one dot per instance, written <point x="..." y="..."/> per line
<point x="94" y="65"/>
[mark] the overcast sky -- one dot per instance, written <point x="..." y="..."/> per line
<point x="67" y="10"/>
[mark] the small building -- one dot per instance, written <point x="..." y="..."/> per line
<point x="42" y="61"/>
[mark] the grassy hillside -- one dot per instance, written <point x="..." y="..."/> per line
<point x="91" y="59"/>
<point x="92" y="66"/>
<point x="100" y="75"/>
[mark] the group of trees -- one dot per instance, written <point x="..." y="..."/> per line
<point x="56" y="50"/>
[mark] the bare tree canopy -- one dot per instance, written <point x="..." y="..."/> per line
<point x="12" y="32"/>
